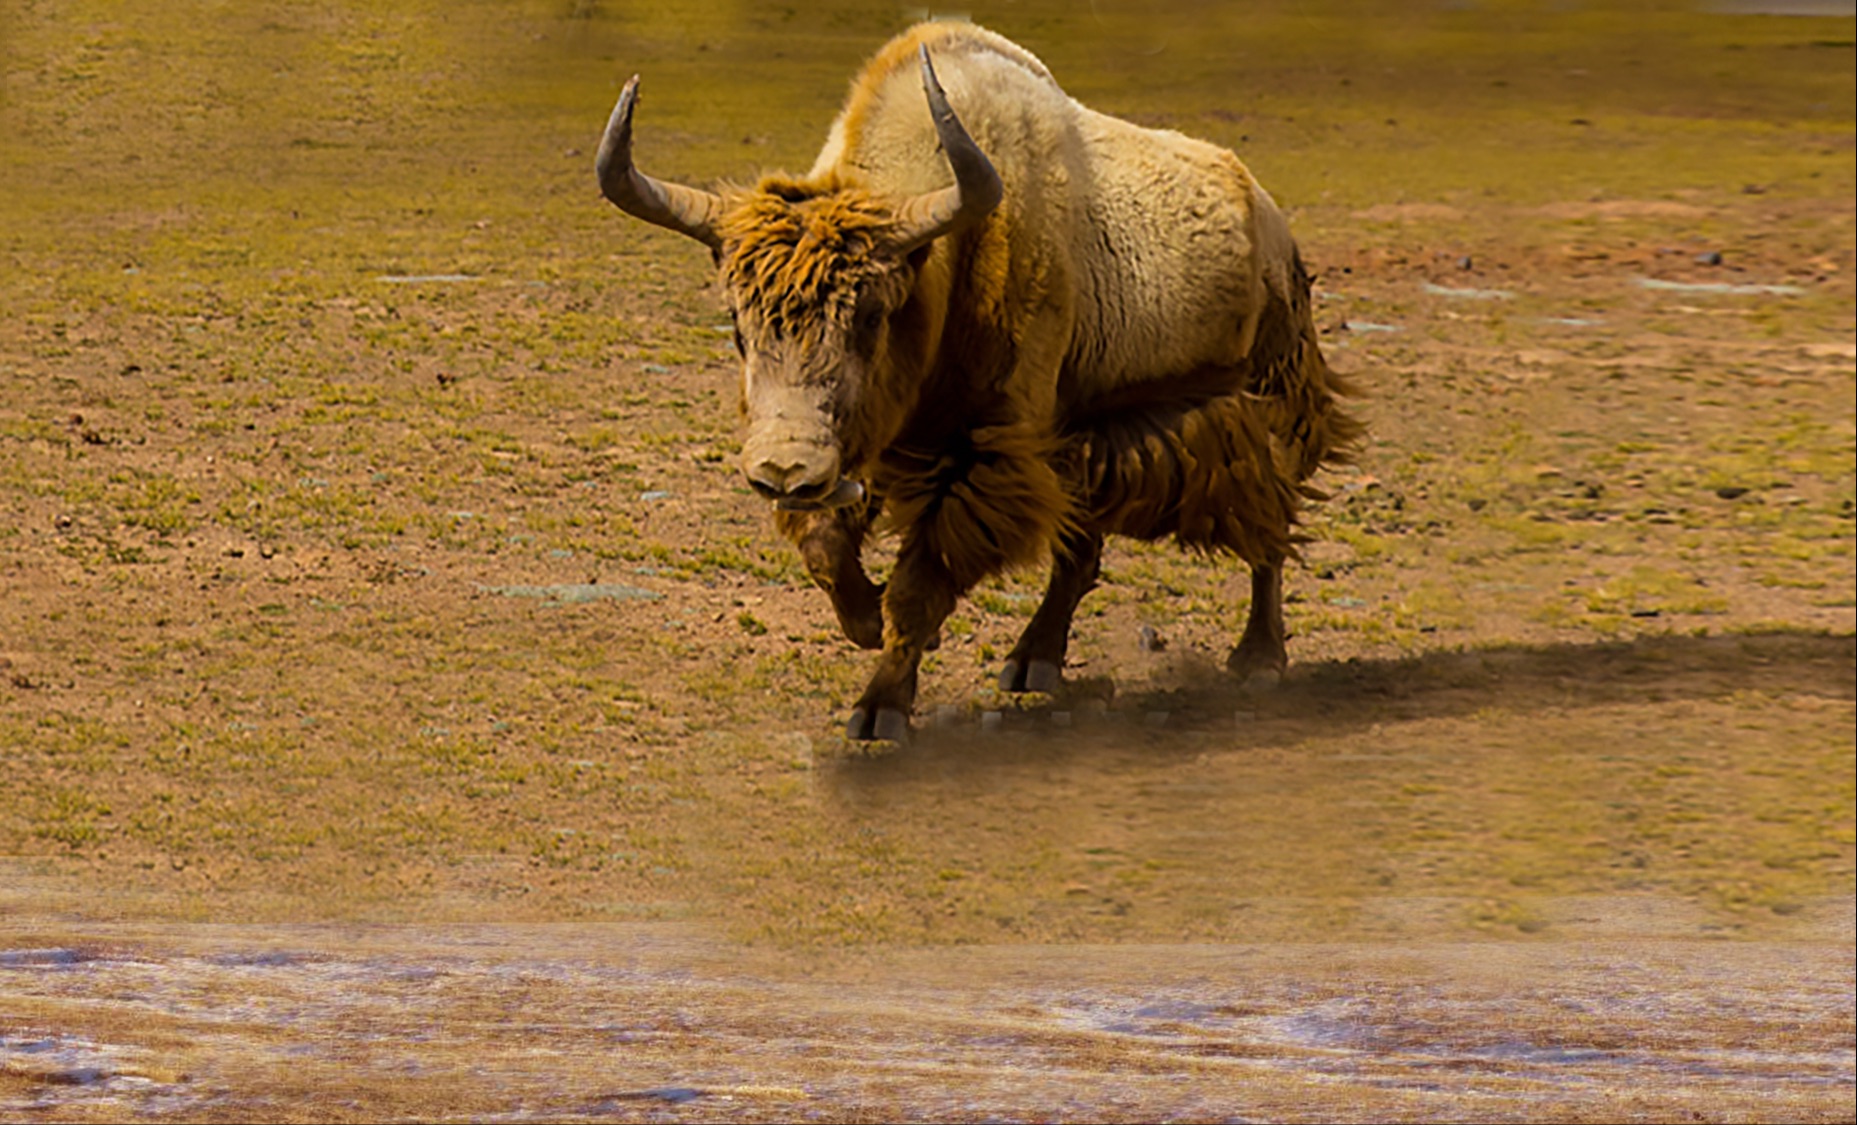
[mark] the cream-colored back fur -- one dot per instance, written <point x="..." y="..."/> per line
<point x="1157" y="248"/>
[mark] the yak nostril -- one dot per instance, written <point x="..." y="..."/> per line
<point x="810" y="490"/>
<point x="770" y="477"/>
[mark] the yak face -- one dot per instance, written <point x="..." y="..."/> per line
<point x="814" y="273"/>
<point x="813" y="279"/>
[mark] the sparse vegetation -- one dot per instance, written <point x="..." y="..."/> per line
<point x="318" y="336"/>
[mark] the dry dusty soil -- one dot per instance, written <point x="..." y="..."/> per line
<point x="406" y="711"/>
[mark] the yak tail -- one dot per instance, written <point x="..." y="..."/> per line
<point x="1296" y="390"/>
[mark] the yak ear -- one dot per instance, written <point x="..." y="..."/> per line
<point x="976" y="189"/>
<point x="686" y="210"/>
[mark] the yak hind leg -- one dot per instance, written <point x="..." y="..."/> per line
<point x="1260" y="658"/>
<point x="1036" y="663"/>
<point x="831" y="546"/>
<point x="920" y="595"/>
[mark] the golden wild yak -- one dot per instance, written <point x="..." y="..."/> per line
<point x="1010" y="331"/>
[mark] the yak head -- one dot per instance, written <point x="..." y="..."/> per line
<point x="819" y="276"/>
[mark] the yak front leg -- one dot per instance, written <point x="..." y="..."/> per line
<point x="1036" y="663"/>
<point x="920" y="597"/>
<point x="1260" y="657"/>
<point x="831" y="545"/>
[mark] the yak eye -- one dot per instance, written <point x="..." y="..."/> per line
<point x="869" y="320"/>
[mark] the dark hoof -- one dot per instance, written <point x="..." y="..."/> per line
<point x="1044" y="676"/>
<point x="1260" y="681"/>
<point x="891" y="725"/>
<point x="1009" y="677"/>
<point x="1033" y="675"/>
<point x="1257" y="669"/>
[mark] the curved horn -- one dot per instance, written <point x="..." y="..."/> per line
<point x="977" y="188"/>
<point x="683" y="209"/>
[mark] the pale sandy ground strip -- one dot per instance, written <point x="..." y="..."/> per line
<point x="665" y="1023"/>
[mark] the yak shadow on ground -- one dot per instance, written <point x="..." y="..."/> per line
<point x="1352" y="697"/>
<point x="1695" y="786"/>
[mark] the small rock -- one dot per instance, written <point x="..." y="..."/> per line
<point x="675" y="1095"/>
<point x="1464" y="262"/>
<point x="1731" y="492"/>
<point x="1151" y="640"/>
<point x="1471" y="294"/>
<point x="1711" y="258"/>
<point x="77" y="1076"/>
<point x="16" y="958"/>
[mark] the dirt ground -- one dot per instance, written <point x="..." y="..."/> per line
<point x="374" y="552"/>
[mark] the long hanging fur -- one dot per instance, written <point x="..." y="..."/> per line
<point x="990" y="501"/>
<point x="1224" y="463"/>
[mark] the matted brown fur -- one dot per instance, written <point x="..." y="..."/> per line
<point x="993" y="498"/>
<point x="800" y="252"/>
